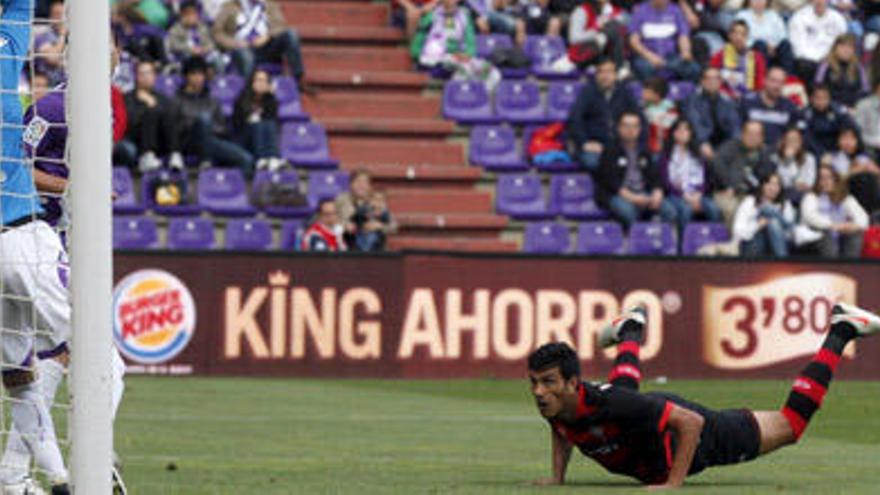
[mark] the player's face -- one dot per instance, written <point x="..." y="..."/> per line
<point x="552" y="392"/>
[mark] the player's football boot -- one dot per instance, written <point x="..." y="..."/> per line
<point x="865" y="322"/>
<point x="610" y="335"/>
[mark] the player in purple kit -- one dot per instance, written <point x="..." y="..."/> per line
<point x="660" y="438"/>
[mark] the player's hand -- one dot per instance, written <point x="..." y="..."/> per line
<point x="547" y="482"/>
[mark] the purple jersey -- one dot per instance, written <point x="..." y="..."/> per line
<point x="659" y="29"/>
<point x="45" y="139"/>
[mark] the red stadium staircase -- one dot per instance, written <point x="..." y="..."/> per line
<point x="383" y="115"/>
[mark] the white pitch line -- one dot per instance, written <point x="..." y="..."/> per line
<point x="391" y="418"/>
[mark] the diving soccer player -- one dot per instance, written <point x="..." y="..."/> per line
<point x="660" y="438"/>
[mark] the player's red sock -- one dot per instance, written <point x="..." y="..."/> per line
<point x="627" y="371"/>
<point x="811" y="385"/>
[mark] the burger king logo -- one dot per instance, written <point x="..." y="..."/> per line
<point x="153" y="316"/>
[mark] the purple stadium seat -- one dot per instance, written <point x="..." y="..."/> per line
<point x="188" y="208"/>
<point x="652" y="238"/>
<point x="264" y="177"/>
<point x="521" y="196"/>
<point x="565" y="166"/>
<point x="488" y="43"/>
<point x="326" y="185"/>
<point x="190" y="233"/>
<point x="289" y="104"/>
<point x="543" y="51"/>
<point x="519" y="102"/>
<point x="226" y="89"/>
<point x="248" y="235"/>
<point x="680" y="90"/>
<point x="134" y="233"/>
<point x="495" y="149"/>
<point x="600" y="238"/>
<point x="560" y="97"/>
<point x="699" y="234"/>
<point x="467" y="102"/>
<point x="572" y="197"/>
<point x="304" y="144"/>
<point x="546" y="238"/>
<point x="168" y="84"/>
<point x="291" y="235"/>
<point x="125" y="203"/>
<point x="223" y="191"/>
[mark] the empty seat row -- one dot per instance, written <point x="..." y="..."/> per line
<point x="607" y="238"/>
<point x="521" y="196"/>
<point x="194" y="233"/>
<point x="223" y="192"/>
<point x="226" y="88"/>
<point x="518" y="102"/>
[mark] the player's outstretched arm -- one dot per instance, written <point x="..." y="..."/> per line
<point x="561" y="453"/>
<point x="686" y="425"/>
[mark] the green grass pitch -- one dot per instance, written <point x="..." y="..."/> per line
<point x="274" y="436"/>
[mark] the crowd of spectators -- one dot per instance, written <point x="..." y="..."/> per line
<point x="779" y="140"/>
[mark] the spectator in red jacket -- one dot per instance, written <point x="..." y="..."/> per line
<point x="325" y="234"/>
<point x="742" y="68"/>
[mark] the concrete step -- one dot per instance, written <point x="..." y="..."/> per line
<point x="376" y="106"/>
<point x="355" y="151"/>
<point x="366" y="83"/>
<point x="421" y="176"/>
<point x="473" y="224"/>
<point x="361" y="58"/>
<point x="439" y="201"/>
<point x="405" y="242"/>
<point x="390" y="128"/>
<point x="313" y="35"/>
<point x="341" y="13"/>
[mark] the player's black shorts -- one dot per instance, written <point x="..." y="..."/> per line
<point x="729" y="437"/>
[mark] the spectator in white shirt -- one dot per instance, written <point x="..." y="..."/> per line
<point x="867" y="116"/>
<point x="796" y="166"/>
<point x="764" y="221"/>
<point x="812" y="31"/>
<point x="831" y="211"/>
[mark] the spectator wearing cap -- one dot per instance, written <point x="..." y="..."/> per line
<point x="593" y="116"/>
<point x="152" y="129"/>
<point x="768" y="33"/>
<point x="660" y="40"/>
<point x="202" y="125"/>
<point x="812" y="31"/>
<point x="738" y="168"/>
<point x="714" y="115"/>
<point x="742" y="69"/>
<point x="770" y="108"/>
<point x="49" y="46"/>
<point x="325" y="232"/>
<point x="629" y="181"/>
<point x="191" y="37"/>
<point x="253" y="32"/>
<point x="842" y="72"/>
<point x="822" y="121"/>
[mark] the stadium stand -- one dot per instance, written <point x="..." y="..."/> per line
<point x="463" y="164"/>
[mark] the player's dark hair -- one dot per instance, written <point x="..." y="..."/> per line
<point x="553" y="355"/>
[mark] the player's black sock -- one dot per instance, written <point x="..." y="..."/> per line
<point x="811" y="385"/>
<point x="627" y="371"/>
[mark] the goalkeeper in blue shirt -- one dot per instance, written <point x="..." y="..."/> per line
<point x="30" y="252"/>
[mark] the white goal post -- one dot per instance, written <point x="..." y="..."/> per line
<point x="91" y="247"/>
